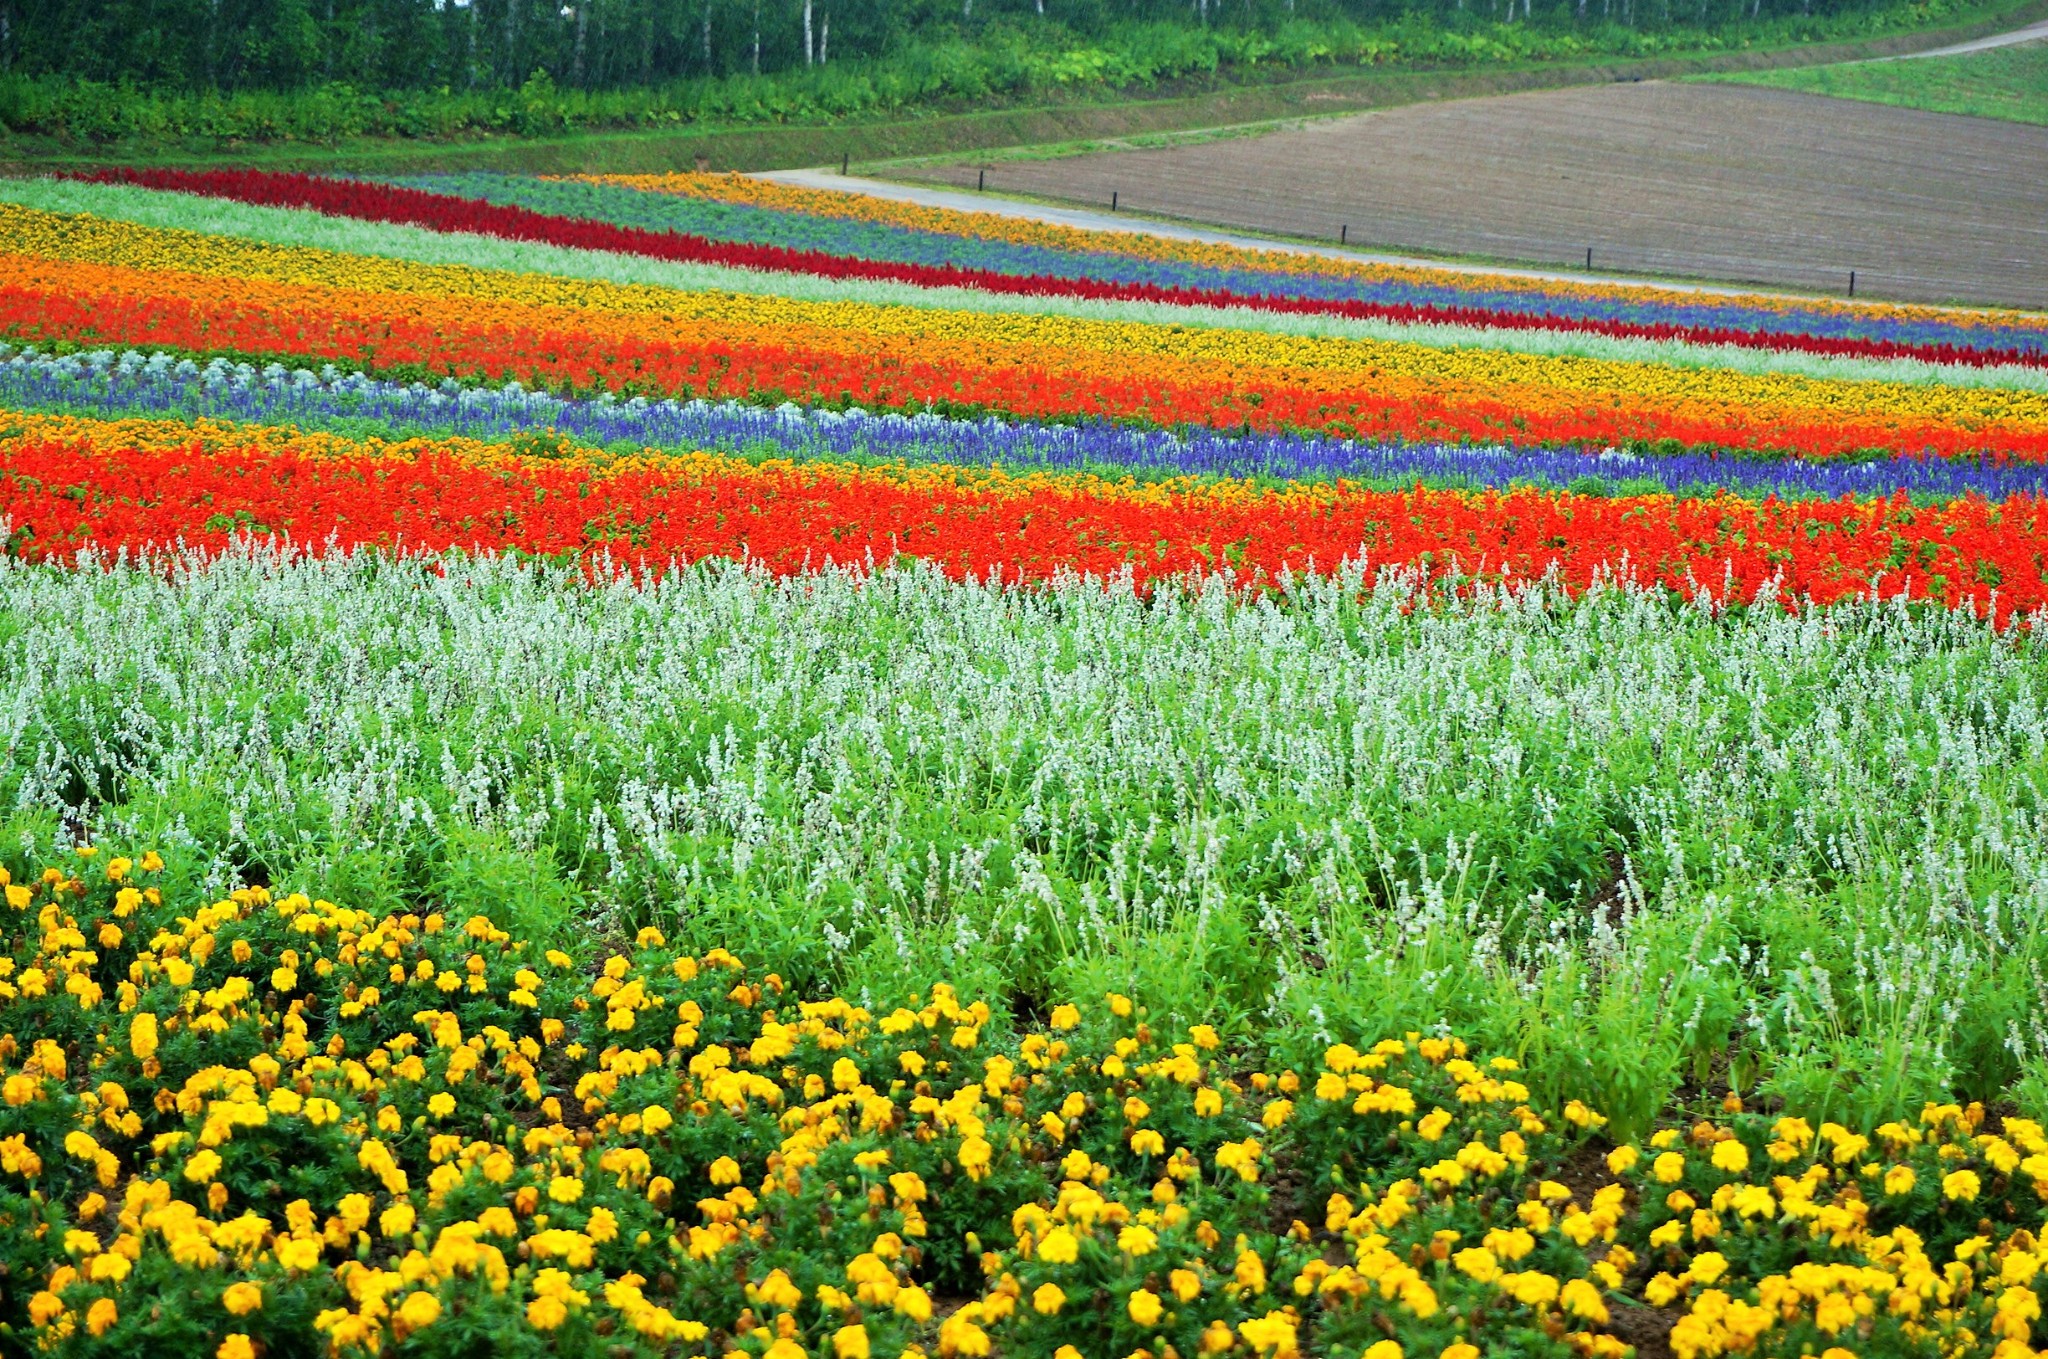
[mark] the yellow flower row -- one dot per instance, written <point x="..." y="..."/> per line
<point x="1361" y="364"/>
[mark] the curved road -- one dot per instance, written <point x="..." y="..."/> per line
<point x="2031" y="33"/>
<point x="1130" y="224"/>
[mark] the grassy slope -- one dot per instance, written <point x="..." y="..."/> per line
<point x="1121" y="115"/>
<point x="2005" y="82"/>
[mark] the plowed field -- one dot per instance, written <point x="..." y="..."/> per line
<point x="1712" y="181"/>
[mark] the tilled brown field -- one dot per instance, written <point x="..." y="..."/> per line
<point x="1710" y="181"/>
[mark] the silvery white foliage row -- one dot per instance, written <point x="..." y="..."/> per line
<point x="1623" y="826"/>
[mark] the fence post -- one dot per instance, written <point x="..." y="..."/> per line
<point x="1112" y="200"/>
<point x="1589" y="258"/>
<point x="1852" y="283"/>
<point x="980" y="180"/>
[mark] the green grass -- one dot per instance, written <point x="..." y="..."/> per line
<point x="2006" y="82"/>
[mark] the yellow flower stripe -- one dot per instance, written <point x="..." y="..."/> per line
<point x="1361" y="367"/>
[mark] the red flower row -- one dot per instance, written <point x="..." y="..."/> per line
<point x="63" y="494"/>
<point x="441" y="212"/>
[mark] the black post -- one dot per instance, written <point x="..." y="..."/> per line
<point x="845" y="159"/>
<point x="980" y="180"/>
<point x="1112" y="200"/>
<point x="1589" y="257"/>
<point x="1344" y="234"/>
<point x="1852" y="283"/>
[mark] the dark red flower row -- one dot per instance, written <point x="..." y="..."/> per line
<point x="375" y="202"/>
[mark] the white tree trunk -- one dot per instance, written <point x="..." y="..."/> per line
<point x="809" y="56"/>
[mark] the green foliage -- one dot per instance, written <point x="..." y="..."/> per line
<point x="934" y="67"/>
<point x="1597" y="835"/>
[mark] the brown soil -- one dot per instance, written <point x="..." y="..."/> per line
<point x="1709" y="181"/>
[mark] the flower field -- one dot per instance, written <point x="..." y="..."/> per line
<point x="678" y="766"/>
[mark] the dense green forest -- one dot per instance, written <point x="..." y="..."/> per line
<point x="611" y="44"/>
<point x="326" y="70"/>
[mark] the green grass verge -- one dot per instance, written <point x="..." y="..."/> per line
<point x="2006" y="82"/>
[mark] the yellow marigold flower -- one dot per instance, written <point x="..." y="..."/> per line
<point x="915" y="1303"/>
<point x="1208" y="1102"/>
<point x="1731" y="1156"/>
<point x="1145" y="1307"/>
<point x="1533" y="1289"/>
<point x="1668" y="1168"/>
<point x="396" y="1221"/>
<point x="1276" y="1115"/>
<point x="1622" y="1160"/>
<point x="242" y="1298"/>
<point x="1148" y="1142"/>
<point x="1834" y="1312"/>
<point x="1065" y="1016"/>
<point x="298" y="1253"/>
<point x="784" y="1348"/>
<point x="1273" y="1333"/>
<point x="419" y="1310"/>
<point x="1186" y="1284"/>
<point x="1581" y="1298"/>
<point x="1460" y="1350"/>
<point x="1059" y="1247"/>
<point x="850" y="1342"/>
<point x="441" y="1104"/>
<point x="1707" y="1267"/>
<point x="204" y="1164"/>
<point x="1137" y="1240"/>
<point x="565" y="1189"/>
<point x="1961" y="1185"/>
<point x="725" y="1171"/>
<point x="1215" y="1340"/>
<point x="545" y="1314"/>
<point x="1048" y="1299"/>
<point x="1662" y="1290"/>
<point x="101" y="1316"/>
<point x="974" y="1157"/>
<point x="1900" y="1180"/>
<point x="1382" y="1349"/>
<point x="1478" y="1262"/>
<point x="236" y="1346"/>
<point x="1250" y="1273"/>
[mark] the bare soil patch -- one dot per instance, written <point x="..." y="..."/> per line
<point x="1730" y="182"/>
